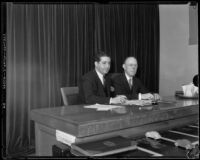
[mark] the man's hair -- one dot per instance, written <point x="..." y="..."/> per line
<point x="196" y="80"/>
<point x="100" y="54"/>
<point x="129" y="57"/>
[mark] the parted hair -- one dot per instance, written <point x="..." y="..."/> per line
<point x="100" y="54"/>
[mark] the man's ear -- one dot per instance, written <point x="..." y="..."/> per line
<point x="123" y="66"/>
<point x="95" y="63"/>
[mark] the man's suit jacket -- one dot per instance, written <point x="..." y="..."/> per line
<point x="121" y="86"/>
<point x="92" y="90"/>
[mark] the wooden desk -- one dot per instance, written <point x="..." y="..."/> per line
<point x="89" y="124"/>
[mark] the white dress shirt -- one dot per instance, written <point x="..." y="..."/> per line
<point x="100" y="76"/>
<point x="128" y="77"/>
<point x="102" y="81"/>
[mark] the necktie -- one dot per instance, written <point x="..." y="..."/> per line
<point x="130" y="83"/>
<point x="104" y="86"/>
<point x="104" y="81"/>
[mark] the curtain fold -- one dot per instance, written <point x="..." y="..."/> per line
<point x="52" y="45"/>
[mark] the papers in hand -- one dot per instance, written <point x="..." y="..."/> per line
<point x="101" y="107"/>
<point x="138" y="102"/>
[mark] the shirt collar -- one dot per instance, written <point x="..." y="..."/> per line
<point x="128" y="77"/>
<point x="99" y="74"/>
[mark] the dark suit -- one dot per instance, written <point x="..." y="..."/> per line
<point x="121" y="86"/>
<point x="92" y="90"/>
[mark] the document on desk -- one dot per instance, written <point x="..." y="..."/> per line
<point x="65" y="137"/>
<point x="102" y="107"/>
<point x="138" y="102"/>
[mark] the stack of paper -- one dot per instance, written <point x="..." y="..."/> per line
<point x="138" y="102"/>
<point x="101" y="107"/>
<point x="65" y="137"/>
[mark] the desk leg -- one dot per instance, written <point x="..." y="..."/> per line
<point x="44" y="140"/>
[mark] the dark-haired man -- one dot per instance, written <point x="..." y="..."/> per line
<point x="130" y="86"/>
<point x="95" y="85"/>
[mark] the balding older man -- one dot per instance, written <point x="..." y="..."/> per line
<point x="130" y="86"/>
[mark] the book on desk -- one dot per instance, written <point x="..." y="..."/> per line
<point x="105" y="147"/>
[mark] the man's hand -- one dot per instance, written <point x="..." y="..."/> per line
<point x="147" y="96"/>
<point x="157" y="96"/>
<point x="119" y="99"/>
<point x="150" y="96"/>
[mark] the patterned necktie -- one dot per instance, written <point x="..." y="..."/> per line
<point x="130" y="83"/>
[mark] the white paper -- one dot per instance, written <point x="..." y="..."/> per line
<point x="65" y="137"/>
<point x="102" y="107"/>
<point x="138" y="102"/>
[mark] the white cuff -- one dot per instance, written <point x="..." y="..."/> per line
<point x="110" y="100"/>
<point x="139" y="96"/>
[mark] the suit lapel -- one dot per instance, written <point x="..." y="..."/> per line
<point x="99" y="84"/>
<point x="134" y="84"/>
<point x="107" y="86"/>
<point x="126" y="83"/>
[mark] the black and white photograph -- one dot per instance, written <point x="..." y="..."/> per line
<point x="110" y="79"/>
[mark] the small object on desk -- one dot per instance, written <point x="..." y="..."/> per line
<point x="154" y="102"/>
<point x="184" y="143"/>
<point x="153" y="134"/>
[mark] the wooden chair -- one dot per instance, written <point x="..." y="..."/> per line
<point x="70" y="95"/>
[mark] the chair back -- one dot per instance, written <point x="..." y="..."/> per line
<point x="70" y="95"/>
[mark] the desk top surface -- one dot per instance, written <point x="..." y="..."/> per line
<point x="118" y="118"/>
<point x="79" y="114"/>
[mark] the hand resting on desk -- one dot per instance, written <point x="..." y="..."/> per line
<point x="150" y="96"/>
<point x="119" y="99"/>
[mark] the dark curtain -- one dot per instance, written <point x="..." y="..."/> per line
<point x="130" y="30"/>
<point x="51" y="46"/>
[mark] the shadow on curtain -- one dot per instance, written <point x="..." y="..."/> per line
<point x="51" y="45"/>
